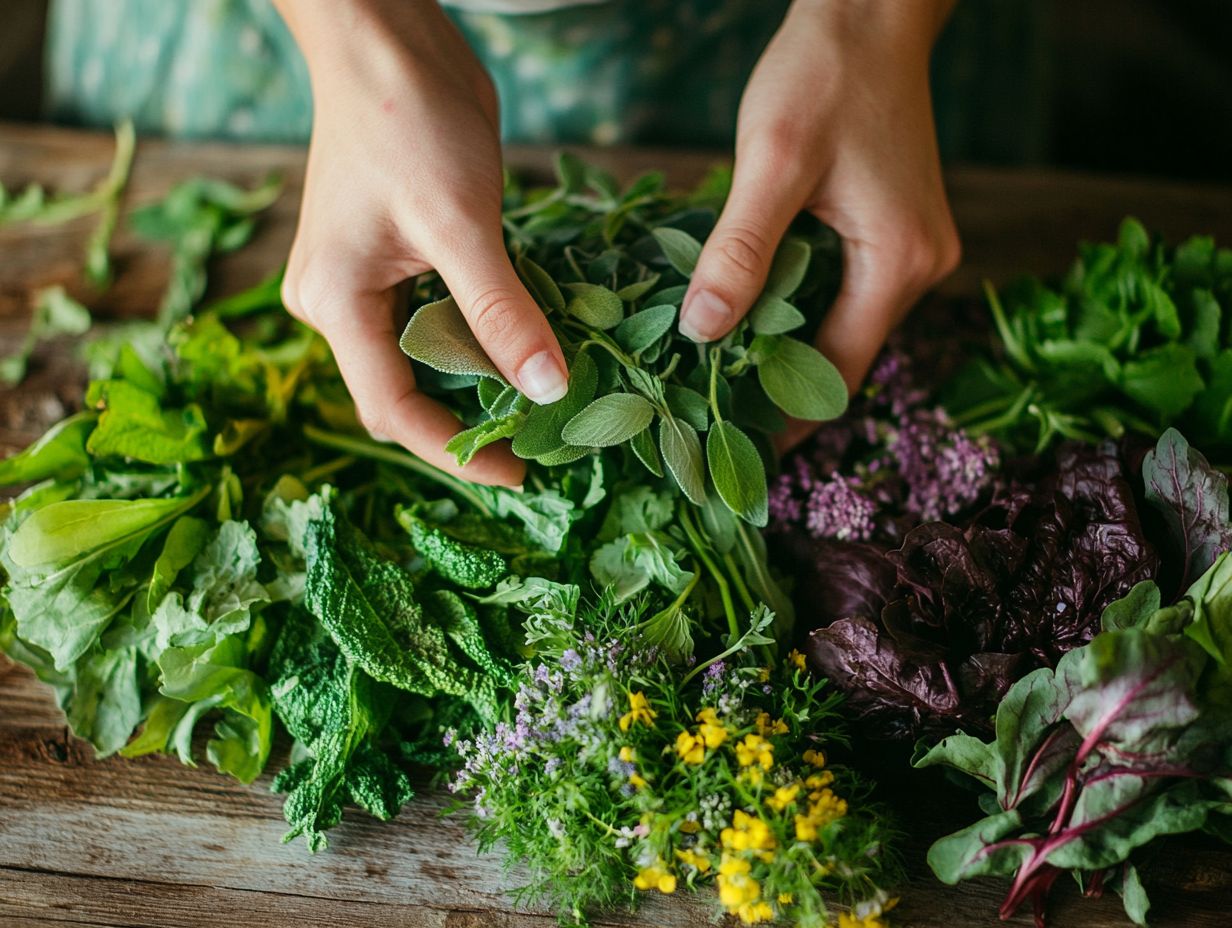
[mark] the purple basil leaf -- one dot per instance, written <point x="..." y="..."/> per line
<point x="1193" y="498"/>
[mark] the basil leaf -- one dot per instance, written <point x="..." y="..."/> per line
<point x="1163" y="379"/>
<point x="438" y="336"/>
<point x="609" y="420"/>
<point x="682" y="452"/>
<point x="799" y="379"/>
<point x="738" y="472"/>
<point x="596" y="306"/>
<point x="772" y="315"/>
<point x="680" y="248"/>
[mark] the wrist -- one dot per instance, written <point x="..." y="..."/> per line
<point x="908" y="27"/>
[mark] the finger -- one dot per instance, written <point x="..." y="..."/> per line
<point x="511" y="328"/>
<point x="361" y="332"/>
<point x="736" y="258"/>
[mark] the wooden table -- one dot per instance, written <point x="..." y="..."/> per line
<point x="151" y="843"/>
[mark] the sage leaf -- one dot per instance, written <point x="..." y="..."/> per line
<point x="609" y="420"/>
<point x="644" y="328"/>
<point x="682" y="452"/>
<point x="799" y="379"/>
<point x="438" y="336"/>
<point x="540" y="434"/>
<point x="680" y="248"/>
<point x="787" y="271"/>
<point x="594" y="305"/>
<point x="540" y="285"/>
<point x="772" y="315"/>
<point x="632" y="292"/>
<point x="689" y="405"/>
<point x="738" y="473"/>
<point x="643" y="445"/>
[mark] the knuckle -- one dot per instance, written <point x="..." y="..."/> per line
<point x="495" y="314"/>
<point x="744" y="251"/>
<point x="373" y="419"/>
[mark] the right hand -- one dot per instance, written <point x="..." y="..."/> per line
<point x="404" y="176"/>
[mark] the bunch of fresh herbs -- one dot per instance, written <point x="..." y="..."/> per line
<point x="610" y="268"/>
<point x="1137" y="337"/>
<point x="618" y="774"/>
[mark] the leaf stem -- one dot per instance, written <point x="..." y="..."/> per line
<point x="374" y="450"/>
<point x="699" y="548"/>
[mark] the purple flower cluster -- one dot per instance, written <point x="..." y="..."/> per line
<point x="559" y="711"/>
<point x="891" y="457"/>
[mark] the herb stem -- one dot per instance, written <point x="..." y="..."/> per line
<point x="733" y="570"/>
<point x="699" y="548"/>
<point x="374" y="450"/>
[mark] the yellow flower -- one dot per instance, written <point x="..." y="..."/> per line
<point x="796" y="658"/>
<point x="636" y="780"/>
<point x="655" y="877"/>
<point x="752" y="776"/>
<point x="639" y="711"/>
<point x="783" y="797"/>
<point x="816" y="758"/>
<point x="691" y="858"/>
<point x="806" y="828"/>
<point x="690" y="828"/>
<point x="818" y="780"/>
<point x="752" y="913"/>
<point x="754" y="749"/>
<point x="628" y="755"/>
<point x="747" y="833"/>
<point x="846" y="920"/>
<point x="767" y="727"/>
<point x="786" y="898"/>
<point x="711" y="730"/>
<point x="824" y="808"/>
<point x="763" y="675"/>
<point x="736" y="887"/>
<point x="691" y="748"/>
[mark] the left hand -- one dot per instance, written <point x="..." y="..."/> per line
<point x="836" y="120"/>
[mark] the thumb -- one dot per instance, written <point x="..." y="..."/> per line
<point x="736" y="258"/>
<point x="509" y="325"/>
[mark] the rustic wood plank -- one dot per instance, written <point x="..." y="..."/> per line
<point x="147" y="842"/>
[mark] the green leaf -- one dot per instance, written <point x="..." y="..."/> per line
<point x="643" y="445"/>
<point x="1163" y="379"/>
<point x="541" y="285"/>
<point x="66" y="531"/>
<point x="1211" y="596"/>
<point x="596" y="306"/>
<point x="682" y="452"/>
<point x="669" y="630"/>
<point x="688" y="405"/>
<point x="641" y="330"/>
<point x="183" y="543"/>
<point x="965" y="753"/>
<point x="469" y="442"/>
<point x="133" y="424"/>
<point x="630" y="293"/>
<point x="1133" y="895"/>
<point x="966" y="853"/>
<point x="738" y="472"/>
<point x="1133" y="609"/>
<point x="466" y="565"/>
<point x="772" y="315"/>
<point x="799" y="379"/>
<point x="680" y="248"/>
<point x="609" y="420"/>
<point x="787" y="271"/>
<point x="439" y="336"/>
<point x="540" y="433"/>
<point x="59" y="453"/>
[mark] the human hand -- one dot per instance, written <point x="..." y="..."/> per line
<point x="836" y="120"/>
<point x="404" y="175"/>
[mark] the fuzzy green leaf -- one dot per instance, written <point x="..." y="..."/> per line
<point x="738" y="472"/>
<point x="439" y="336"/>
<point x="799" y="379"/>
<point x="609" y="420"/>
<point x="680" y="248"/>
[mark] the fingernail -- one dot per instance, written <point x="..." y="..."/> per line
<point x="541" y="378"/>
<point x="705" y="317"/>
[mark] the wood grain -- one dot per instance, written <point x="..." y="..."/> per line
<point x="151" y="843"/>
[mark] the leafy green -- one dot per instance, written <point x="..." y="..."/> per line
<point x="1132" y="340"/>
<point x="55" y="314"/>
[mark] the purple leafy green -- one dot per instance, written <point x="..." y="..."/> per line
<point x="930" y="636"/>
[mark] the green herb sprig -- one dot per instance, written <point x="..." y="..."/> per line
<point x="610" y="269"/>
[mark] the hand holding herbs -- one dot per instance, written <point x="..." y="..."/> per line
<point x="610" y="267"/>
